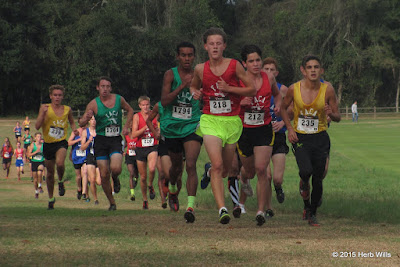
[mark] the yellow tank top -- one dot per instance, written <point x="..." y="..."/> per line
<point x="55" y="128"/>
<point x="311" y="118"/>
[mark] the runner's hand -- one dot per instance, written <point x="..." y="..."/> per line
<point x="222" y="85"/>
<point x="197" y="94"/>
<point x="246" y="101"/>
<point x="292" y="136"/>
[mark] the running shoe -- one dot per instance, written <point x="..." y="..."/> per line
<point x="117" y="185"/>
<point x="237" y="211"/>
<point x="88" y="199"/>
<point x="260" y="218"/>
<point x="312" y="220"/>
<point x="79" y="195"/>
<point x="84" y="197"/>
<point x="205" y="180"/>
<point x="112" y="207"/>
<point x="36" y="195"/>
<point x="22" y="171"/>
<point x="306" y="214"/>
<point x="246" y="187"/>
<point x="269" y="214"/>
<point x="164" y="205"/>
<point x="304" y="189"/>
<point x="224" y="217"/>
<point x="242" y="208"/>
<point x="61" y="189"/>
<point x="133" y="198"/>
<point x="151" y="192"/>
<point x="189" y="215"/>
<point x="40" y="190"/>
<point x="173" y="202"/>
<point x="280" y="195"/>
<point x="96" y="202"/>
<point x="51" y="204"/>
<point x="145" y="205"/>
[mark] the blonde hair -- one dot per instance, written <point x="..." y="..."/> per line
<point x="56" y="87"/>
<point x="142" y="98"/>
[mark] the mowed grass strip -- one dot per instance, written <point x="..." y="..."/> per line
<point x="359" y="213"/>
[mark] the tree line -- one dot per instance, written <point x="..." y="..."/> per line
<point x="72" y="42"/>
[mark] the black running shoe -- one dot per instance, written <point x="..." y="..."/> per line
<point x="189" y="215"/>
<point x="260" y="218"/>
<point x="79" y="195"/>
<point x="84" y="197"/>
<point x="312" y="220"/>
<point x="36" y="195"/>
<point x="205" y="180"/>
<point x="145" y="205"/>
<point x="112" y="207"/>
<point x="151" y="192"/>
<point x="61" y="189"/>
<point x="280" y="195"/>
<point x="40" y="190"/>
<point x="269" y="214"/>
<point x="173" y="202"/>
<point x="164" y="205"/>
<point x="237" y="211"/>
<point x="117" y="185"/>
<point x="224" y="217"/>
<point x="51" y="204"/>
<point x="96" y="202"/>
<point x="133" y="197"/>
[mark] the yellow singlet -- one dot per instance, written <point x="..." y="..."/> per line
<point x="309" y="119"/>
<point x="54" y="127"/>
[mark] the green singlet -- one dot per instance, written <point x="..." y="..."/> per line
<point x="180" y="118"/>
<point x="109" y="120"/>
<point x="27" y="140"/>
<point x="39" y="156"/>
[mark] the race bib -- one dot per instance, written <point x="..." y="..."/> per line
<point x="19" y="158"/>
<point x="308" y="125"/>
<point x="56" y="132"/>
<point x="38" y="157"/>
<point x="80" y="153"/>
<point x="146" y="142"/>
<point x="112" y="130"/>
<point x="220" y="105"/>
<point x="254" y="118"/>
<point x="6" y="155"/>
<point x="131" y="152"/>
<point x="182" y="111"/>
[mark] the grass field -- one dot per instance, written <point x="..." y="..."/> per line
<point x="360" y="214"/>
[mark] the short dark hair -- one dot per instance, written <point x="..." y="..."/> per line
<point x="103" y="78"/>
<point x="214" y="31"/>
<point x="270" y="60"/>
<point x="56" y="87"/>
<point x="249" y="49"/>
<point x="185" y="44"/>
<point x="308" y="58"/>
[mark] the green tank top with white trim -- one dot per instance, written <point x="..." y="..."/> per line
<point x="182" y="116"/>
<point x="39" y="156"/>
<point x="109" y="120"/>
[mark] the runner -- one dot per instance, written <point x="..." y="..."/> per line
<point x="53" y="118"/>
<point x="220" y="124"/>
<point x="27" y="124"/>
<point x="18" y="132"/>
<point x="93" y="172"/>
<point x="313" y="102"/>
<point x="280" y="148"/>
<point x="130" y="161"/>
<point x="35" y="151"/>
<point x="107" y="110"/>
<point x="6" y="154"/>
<point x="180" y="115"/>
<point x="19" y="162"/>
<point x="79" y="160"/>
<point x="146" y="148"/>
<point x="255" y="143"/>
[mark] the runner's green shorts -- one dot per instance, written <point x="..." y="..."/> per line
<point x="227" y="128"/>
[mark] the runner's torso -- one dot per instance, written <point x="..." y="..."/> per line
<point x="55" y="127"/>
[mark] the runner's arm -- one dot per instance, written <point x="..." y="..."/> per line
<point x="167" y="97"/>
<point x="195" y="86"/>
<point x="41" y="116"/>
<point x="91" y="110"/>
<point x="153" y="114"/>
<point x="292" y="136"/>
<point x="331" y="106"/>
<point x="135" y="125"/>
<point x="247" y="90"/>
